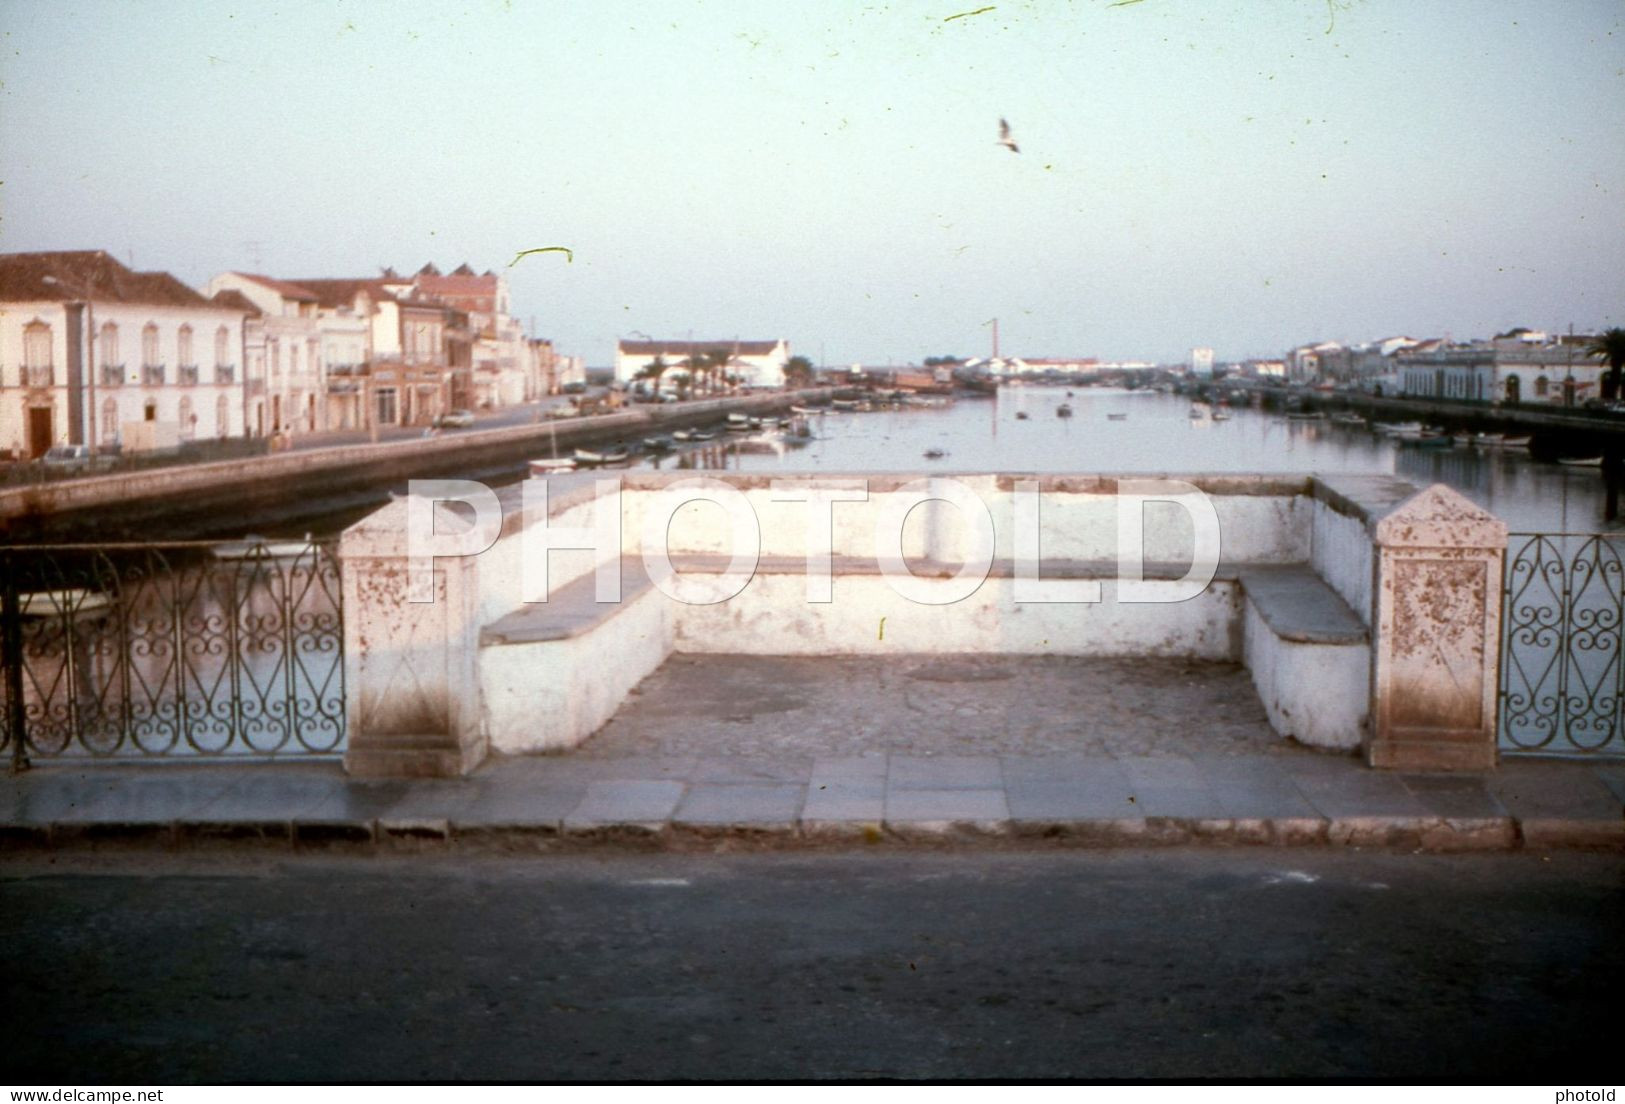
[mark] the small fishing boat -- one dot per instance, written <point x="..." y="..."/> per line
<point x="657" y="444"/>
<point x="1063" y="411"/>
<point x="1021" y="415"/>
<point x="546" y="467"/>
<point x="1222" y="415"/>
<point x="935" y="453"/>
<point x="844" y="404"/>
<point x="1197" y="414"/>
<point x="597" y="458"/>
<point x="1347" y="418"/>
<point x="1581" y="461"/>
<point x="1117" y="417"/>
<point x="809" y="410"/>
<point x="1409" y="430"/>
<point x="1515" y="442"/>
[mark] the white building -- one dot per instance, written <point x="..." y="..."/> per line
<point x="752" y="363"/>
<point x="94" y="353"/>
<point x="1202" y="361"/>
<point x="285" y="349"/>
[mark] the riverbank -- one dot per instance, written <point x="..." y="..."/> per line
<point x="214" y="499"/>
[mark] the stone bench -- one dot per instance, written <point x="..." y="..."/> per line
<point x="1309" y="655"/>
<point x="551" y="675"/>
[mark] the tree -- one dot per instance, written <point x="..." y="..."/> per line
<point x="1609" y="347"/>
<point x="718" y="361"/>
<point x="653" y="371"/>
<point x="798" y="371"/>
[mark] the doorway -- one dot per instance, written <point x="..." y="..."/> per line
<point x="40" y="436"/>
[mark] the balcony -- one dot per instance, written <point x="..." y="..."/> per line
<point x="112" y="375"/>
<point x="39" y="375"/>
<point x="186" y="375"/>
<point x="152" y="375"/>
<point x="225" y="373"/>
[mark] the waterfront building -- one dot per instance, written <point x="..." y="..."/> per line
<point x="283" y="342"/>
<point x="503" y="372"/>
<point x="1202" y="360"/>
<point x="1522" y="367"/>
<point x="95" y="353"/>
<point x="755" y="364"/>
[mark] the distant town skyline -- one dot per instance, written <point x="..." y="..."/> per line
<point x="1242" y="176"/>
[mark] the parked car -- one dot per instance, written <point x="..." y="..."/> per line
<point x="457" y="419"/>
<point x="70" y="458"/>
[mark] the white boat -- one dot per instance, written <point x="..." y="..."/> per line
<point x="1409" y="430"/>
<point x="555" y="464"/>
<point x="1515" y="442"/>
<point x="1348" y="418"/>
<point x="593" y="458"/>
<point x="1582" y="462"/>
<point x="1489" y="440"/>
<point x="809" y="410"/>
<point x="252" y="547"/>
<point x="1222" y="415"/>
<point x="1305" y="416"/>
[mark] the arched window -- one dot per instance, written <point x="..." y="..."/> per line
<point x="1541" y="386"/>
<point x="222" y="347"/>
<point x="110" y="430"/>
<point x="109" y="351"/>
<point x="222" y="416"/>
<point x="183" y="346"/>
<point x="1512" y="388"/>
<point x="188" y="419"/>
<point x="149" y="346"/>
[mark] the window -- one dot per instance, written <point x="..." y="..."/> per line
<point x="386" y="405"/>
<point x="109" y="351"/>
<point x="149" y="346"/>
<point x="222" y="347"/>
<point x="1541" y="386"/>
<point x="222" y="416"/>
<point x="293" y="359"/>
<point x="37" y="355"/>
<point x="109" y="420"/>
<point x="188" y="419"/>
<point x="183" y="346"/>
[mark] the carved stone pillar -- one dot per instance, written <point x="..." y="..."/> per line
<point x="411" y="668"/>
<point x="1434" y="671"/>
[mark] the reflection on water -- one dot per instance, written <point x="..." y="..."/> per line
<point x="1019" y="430"/>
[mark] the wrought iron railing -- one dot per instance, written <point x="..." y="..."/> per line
<point x="1563" y="645"/>
<point x="178" y="651"/>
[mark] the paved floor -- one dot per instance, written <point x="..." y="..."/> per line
<point x="939" y="705"/>
<point x="142" y="969"/>
<point x="739" y="752"/>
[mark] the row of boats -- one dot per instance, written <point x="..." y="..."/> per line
<point x="1426" y="436"/>
<point x="660" y="444"/>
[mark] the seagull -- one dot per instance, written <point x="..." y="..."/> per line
<point x="1005" y="139"/>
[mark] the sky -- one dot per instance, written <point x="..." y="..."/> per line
<point x="1242" y="175"/>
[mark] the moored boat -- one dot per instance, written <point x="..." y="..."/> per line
<point x="554" y="464"/>
<point x="597" y="458"/>
<point x="1581" y="461"/>
<point x="1063" y="411"/>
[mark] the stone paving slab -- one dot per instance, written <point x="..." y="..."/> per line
<point x="1299" y="798"/>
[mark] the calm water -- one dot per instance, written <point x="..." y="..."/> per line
<point x="1158" y="435"/>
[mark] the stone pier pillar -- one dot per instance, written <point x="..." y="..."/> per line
<point x="411" y="668"/>
<point x="1435" y="648"/>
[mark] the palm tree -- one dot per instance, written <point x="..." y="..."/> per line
<point x="655" y="369"/>
<point x="718" y="362"/>
<point x="1609" y="346"/>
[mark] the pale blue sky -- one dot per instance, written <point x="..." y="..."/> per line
<point x="1244" y="175"/>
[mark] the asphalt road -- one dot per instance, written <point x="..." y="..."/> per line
<point x="1226" y="963"/>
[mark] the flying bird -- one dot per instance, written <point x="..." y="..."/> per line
<point x="1005" y="139"/>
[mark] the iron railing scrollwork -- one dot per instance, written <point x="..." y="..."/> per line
<point x="1563" y="645"/>
<point x="177" y="650"/>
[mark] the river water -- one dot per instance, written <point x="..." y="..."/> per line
<point x="1155" y="434"/>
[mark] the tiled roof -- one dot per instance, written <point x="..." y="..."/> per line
<point x="281" y="287"/>
<point x="691" y="348"/>
<point x="88" y="274"/>
<point x="235" y="300"/>
<point x="342" y="293"/>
